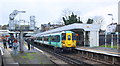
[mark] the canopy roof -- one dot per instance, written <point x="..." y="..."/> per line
<point x="85" y="27"/>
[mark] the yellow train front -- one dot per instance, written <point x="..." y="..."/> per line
<point x="68" y="40"/>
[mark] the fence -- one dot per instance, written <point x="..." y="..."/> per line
<point x="109" y="40"/>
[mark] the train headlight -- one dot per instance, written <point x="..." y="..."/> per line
<point x="63" y="45"/>
<point x="63" y="42"/>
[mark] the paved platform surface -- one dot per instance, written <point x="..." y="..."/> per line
<point x="33" y="56"/>
<point x="102" y="49"/>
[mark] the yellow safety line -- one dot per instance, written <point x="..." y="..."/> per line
<point x="26" y="45"/>
<point x="9" y="49"/>
<point x="34" y="48"/>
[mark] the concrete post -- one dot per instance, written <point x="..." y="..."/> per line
<point x="117" y="40"/>
<point x="105" y="40"/>
<point x="21" y="42"/>
<point x="111" y="40"/>
<point x="84" y="38"/>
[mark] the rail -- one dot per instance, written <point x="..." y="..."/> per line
<point x="67" y="59"/>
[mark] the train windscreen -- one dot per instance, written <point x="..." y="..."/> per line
<point x="69" y="37"/>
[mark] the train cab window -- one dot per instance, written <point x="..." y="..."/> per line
<point x="69" y="37"/>
<point x="63" y="36"/>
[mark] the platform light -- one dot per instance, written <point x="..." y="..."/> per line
<point x="76" y="34"/>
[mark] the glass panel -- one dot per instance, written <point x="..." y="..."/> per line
<point x="57" y="38"/>
<point x="69" y="37"/>
<point x="63" y="36"/>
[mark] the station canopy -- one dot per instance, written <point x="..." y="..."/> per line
<point x="85" y="27"/>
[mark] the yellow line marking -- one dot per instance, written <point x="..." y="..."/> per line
<point x="26" y="45"/>
<point x="34" y="47"/>
<point x="39" y="50"/>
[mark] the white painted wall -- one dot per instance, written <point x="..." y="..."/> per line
<point x="94" y="38"/>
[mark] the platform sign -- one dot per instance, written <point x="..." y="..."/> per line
<point x="11" y="25"/>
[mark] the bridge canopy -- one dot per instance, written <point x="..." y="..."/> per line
<point x="85" y="27"/>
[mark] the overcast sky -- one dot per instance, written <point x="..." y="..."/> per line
<point x="52" y="10"/>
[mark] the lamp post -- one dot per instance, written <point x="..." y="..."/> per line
<point x="112" y="17"/>
<point x="21" y="33"/>
<point x="111" y="34"/>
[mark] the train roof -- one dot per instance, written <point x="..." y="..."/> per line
<point x="57" y="33"/>
<point x="85" y="27"/>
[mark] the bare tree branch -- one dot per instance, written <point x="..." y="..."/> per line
<point x="98" y="20"/>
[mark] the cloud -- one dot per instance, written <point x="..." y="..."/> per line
<point x="112" y="9"/>
<point x="50" y="10"/>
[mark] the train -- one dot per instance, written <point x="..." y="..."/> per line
<point x="60" y="41"/>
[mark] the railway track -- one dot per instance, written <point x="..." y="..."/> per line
<point x="64" y="57"/>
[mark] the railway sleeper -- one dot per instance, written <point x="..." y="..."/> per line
<point x="116" y="60"/>
<point x="109" y="59"/>
<point x="96" y="57"/>
<point x="100" y="57"/>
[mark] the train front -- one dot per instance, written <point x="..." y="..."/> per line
<point x="69" y="40"/>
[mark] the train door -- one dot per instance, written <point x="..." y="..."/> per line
<point x="68" y="40"/>
<point x="43" y="40"/>
<point x="50" y="39"/>
<point x="63" y="39"/>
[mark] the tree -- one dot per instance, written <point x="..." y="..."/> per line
<point x="71" y="19"/>
<point x="4" y="27"/>
<point x="90" y="21"/>
<point x="98" y="20"/>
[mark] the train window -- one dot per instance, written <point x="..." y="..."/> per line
<point x="74" y="36"/>
<point x="53" y="38"/>
<point x="38" y="38"/>
<point x="57" y="38"/>
<point x="63" y="36"/>
<point x="46" y="38"/>
<point x="69" y="37"/>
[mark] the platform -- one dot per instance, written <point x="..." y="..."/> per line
<point x="101" y="50"/>
<point x="32" y="56"/>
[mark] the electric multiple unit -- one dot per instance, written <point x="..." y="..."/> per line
<point x="64" y="39"/>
